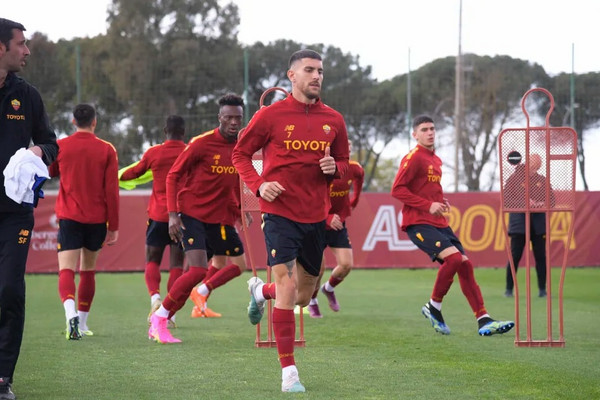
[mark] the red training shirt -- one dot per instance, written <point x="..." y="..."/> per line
<point x="203" y="183"/>
<point x="293" y="137"/>
<point x="339" y="191"/>
<point x="418" y="185"/>
<point x="159" y="159"/>
<point x="89" y="183"/>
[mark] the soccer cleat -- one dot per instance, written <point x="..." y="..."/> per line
<point x="206" y="313"/>
<point x="494" y="327"/>
<point x="508" y="293"/>
<point x="171" y="323"/>
<point x="73" y="332"/>
<point x="333" y="304"/>
<point x="256" y="309"/>
<point x="155" y="306"/>
<point x="542" y="293"/>
<point x="314" y="312"/>
<point x="196" y="313"/>
<point x="435" y="317"/>
<point x="86" y="332"/>
<point x="198" y="299"/>
<point x="159" y="332"/>
<point x="292" y="384"/>
<point x="6" y="392"/>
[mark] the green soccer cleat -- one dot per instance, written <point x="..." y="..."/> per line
<point x="494" y="327"/>
<point x="256" y="309"/>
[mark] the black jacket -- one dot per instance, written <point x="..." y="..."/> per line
<point x="23" y="120"/>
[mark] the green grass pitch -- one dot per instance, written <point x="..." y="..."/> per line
<point x="378" y="346"/>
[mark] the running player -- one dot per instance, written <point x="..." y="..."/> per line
<point x="418" y="186"/>
<point x="202" y="191"/>
<point x="304" y="145"/>
<point x="159" y="159"/>
<point x="337" y="235"/>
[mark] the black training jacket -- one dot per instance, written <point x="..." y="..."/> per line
<point x="23" y="120"/>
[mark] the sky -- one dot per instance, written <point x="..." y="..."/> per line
<point x="393" y="36"/>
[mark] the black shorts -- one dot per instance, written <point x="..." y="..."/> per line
<point x="215" y="239"/>
<point x="288" y="240"/>
<point x="338" y="239"/>
<point x="157" y="234"/>
<point x="433" y="240"/>
<point x="73" y="235"/>
<point x="223" y="240"/>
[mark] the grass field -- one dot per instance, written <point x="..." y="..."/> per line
<point x="378" y="346"/>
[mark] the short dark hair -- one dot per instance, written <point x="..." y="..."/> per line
<point x="6" y="30"/>
<point x="84" y="115"/>
<point x="230" y="99"/>
<point x="305" y="53"/>
<point x="175" y="126"/>
<point x="421" y="119"/>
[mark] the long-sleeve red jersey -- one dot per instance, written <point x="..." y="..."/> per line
<point x="203" y="183"/>
<point x="418" y="185"/>
<point x="339" y="191"/>
<point x="89" y="183"/>
<point x="159" y="159"/>
<point x="293" y="137"/>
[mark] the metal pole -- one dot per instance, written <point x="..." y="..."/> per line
<point x="246" y="79"/>
<point x="408" y="102"/>
<point x="572" y="86"/>
<point x="458" y="101"/>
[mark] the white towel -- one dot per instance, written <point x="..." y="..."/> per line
<point x="20" y="175"/>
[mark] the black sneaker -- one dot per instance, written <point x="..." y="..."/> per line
<point x="6" y="392"/>
<point x="542" y="293"/>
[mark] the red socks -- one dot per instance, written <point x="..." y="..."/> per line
<point x="445" y="276"/>
<point x="174" y="273"/>
<point x="182" y="287"/>
<point x="66" y="284"/>
<point x="86" y="290"/>
<point x="152" y="276"/>
<point x="222" y="276"/>
<point x="470" y="288"/>
<point x="268" y="291"/>
<point x="284" y="327"/>
<point x="333" y="281"/>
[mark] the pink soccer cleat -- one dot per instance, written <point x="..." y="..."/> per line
<point x="159" y="332"/>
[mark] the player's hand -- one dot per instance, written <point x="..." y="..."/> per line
<point x="336" y="223"/>
<point x="447" y="203"/>
<point x="270" y="190"/>
<point x="437" y="208"/>
<point x="327" y="163"/>
<point x="37" y="150"/>
<point x="111" y="237"/>
<point x="175" y="227"/>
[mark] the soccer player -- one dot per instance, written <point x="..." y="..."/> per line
<point x="336" y="234"/>
<point x="23" y="121"/>
<point x="515" y="185"/>
<point x="159" y="159"/>
<point x="304" y="145"/>
<point x="418" y="186"/>
<point x="87" y="209"/>
<point x="202" y="194"/>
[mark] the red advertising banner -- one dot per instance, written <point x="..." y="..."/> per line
<point x="374" y="228"/>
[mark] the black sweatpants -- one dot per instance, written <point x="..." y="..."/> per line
<point x="15" y="236"/>
<point x="517" y="245"/>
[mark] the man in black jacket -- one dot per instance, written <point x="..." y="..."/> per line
<point x="23" y="120"/>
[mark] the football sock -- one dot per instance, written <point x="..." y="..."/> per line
<point x="268" y="291"/>
<point x="436" y="304"/>
<point x="152" y="277"/>
<point x="69" y="306"/>
<point x="470" y="288"/>
<point x="66" y="284"/>
<point x="445" y="276"/>
<point x="284" y="328"/>
<point x="83" y="316"/>
<point x="223" y="276"/>
<point x="203" y="290"/>
<point x="154" y="297"/>
<point x="174" y="274"/>
<point x="333" y="282"/>
<point x="86" y="290"/>
<point x="182" y="287"/>
<point x="313" y="301"/>
<point x="484" y="320"/>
